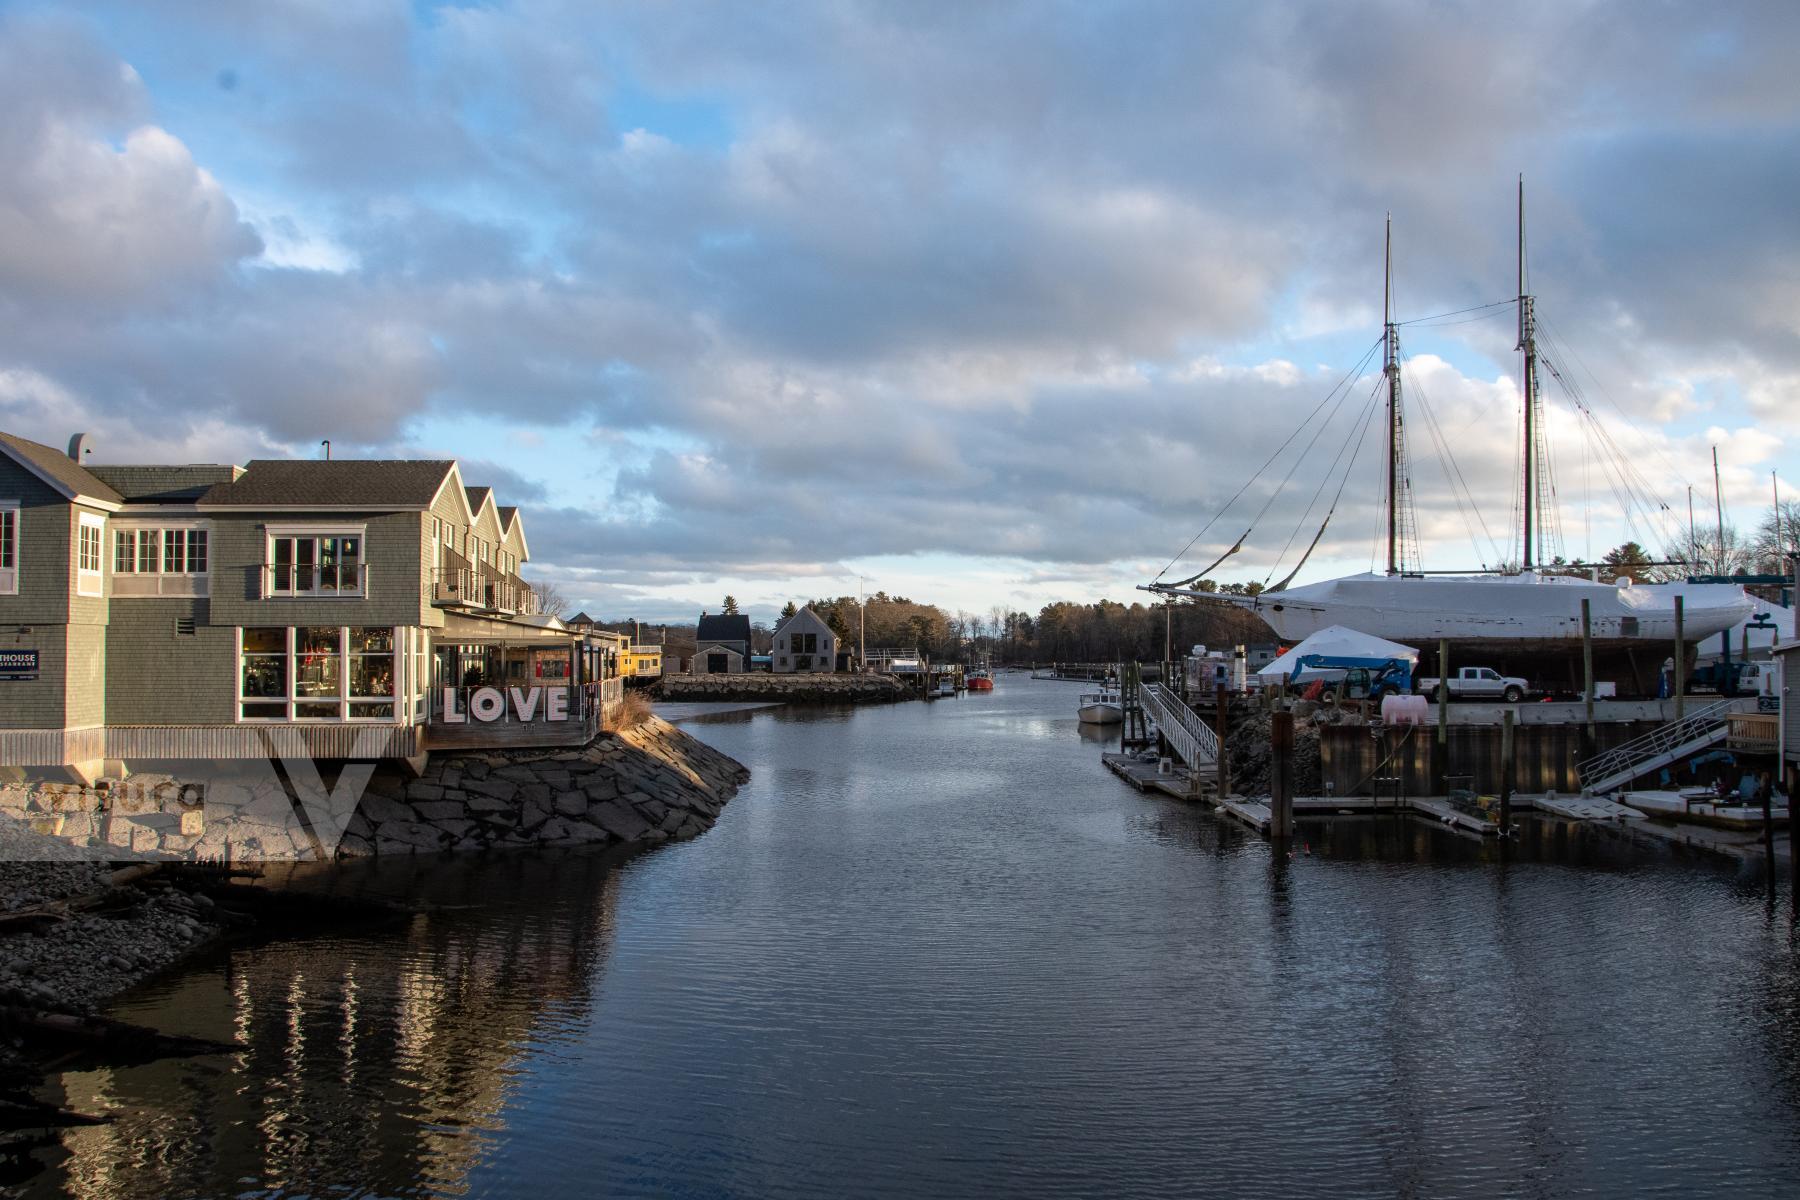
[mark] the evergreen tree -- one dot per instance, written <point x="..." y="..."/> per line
<point x="788" y="610"/>
<point x="730" y="609"/>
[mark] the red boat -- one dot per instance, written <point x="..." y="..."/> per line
<point x="979" y="680"/>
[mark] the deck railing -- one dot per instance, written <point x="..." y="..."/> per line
<point x="1193" y="739"/>
<point x="1658" y="743"/>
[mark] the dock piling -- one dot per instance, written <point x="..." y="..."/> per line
<point x="1443" y="692"/>
<point x="1506" y="772"/>
<point x="1587" y="668"/>
<point x="1224" y="770"/>
<point x="1281" y="777"/>
<point x="1680" y="658"/>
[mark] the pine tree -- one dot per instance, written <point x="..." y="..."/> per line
<point x="731" y="606"/>
<point x="788" y="610"/>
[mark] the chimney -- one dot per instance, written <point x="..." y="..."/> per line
<point x="78" y="447"/>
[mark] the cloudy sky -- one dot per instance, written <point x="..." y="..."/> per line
<point x="991" y="303"/>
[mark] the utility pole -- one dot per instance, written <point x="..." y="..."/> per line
<point x="862" y="608"/>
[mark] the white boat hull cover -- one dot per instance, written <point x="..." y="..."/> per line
<point x="1514" y="609"/>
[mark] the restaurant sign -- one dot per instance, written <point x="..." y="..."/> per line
<point x="489" y="704"/>
<point x="18" y="664"/>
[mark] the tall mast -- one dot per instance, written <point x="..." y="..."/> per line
<point x="1719" y="511"/>
<point x="1391" y="368"/>
<point x="1528" y="344"/>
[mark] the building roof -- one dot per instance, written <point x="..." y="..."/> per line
<point x="172" y="485"/>
<point x="805" y="616"/>
<point x="580" y="618"/>
<point x="58" y="470"/>
<point x="723" y="628"/>
<point x="331" y="483"/>
<point x="478" y="496"/>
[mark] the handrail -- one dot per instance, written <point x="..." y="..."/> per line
<point x="1660" y="740"/>
<point x="1191" y="737"/>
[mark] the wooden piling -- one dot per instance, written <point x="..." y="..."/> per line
<point x="1223" y="769"/>
<point x="1443" y="696"/>
<point x="1506" y="771"/>
<point x="1680" y="658"/>
<point x="1281" y="778"/>
<point x="1587" y="668"/>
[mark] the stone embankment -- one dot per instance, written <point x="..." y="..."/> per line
<point x="784" y="689"/>
<point x="645" y="784"/>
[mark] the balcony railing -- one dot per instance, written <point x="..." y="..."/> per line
<point x="346" y="581"/>
<point x="468" y="587"/>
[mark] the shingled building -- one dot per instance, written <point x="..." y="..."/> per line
<point x="374" y="608"/>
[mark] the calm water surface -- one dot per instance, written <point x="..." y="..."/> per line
<point x="937" y="950"/>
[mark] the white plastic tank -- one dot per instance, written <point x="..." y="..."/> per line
<point x="1405" y="710"/>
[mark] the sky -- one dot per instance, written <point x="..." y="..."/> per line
<point x="986" y="304"/>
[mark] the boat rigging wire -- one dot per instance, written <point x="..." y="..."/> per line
<point x="1355" y="448"/>
<point x="1453" y="475"/>
<point x="1341" y="385"/>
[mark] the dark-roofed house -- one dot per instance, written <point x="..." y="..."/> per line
<point x="721" y="644"/>
<point x="182" y="611"/>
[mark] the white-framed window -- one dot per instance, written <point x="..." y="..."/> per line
<point x="90" y="567"/>
<point x="315" y="562"/>
<point x="180" y="551"/>
<point x="159" y="560"/>
<point x="318" y="673"/>
<point x="9" y="547"/>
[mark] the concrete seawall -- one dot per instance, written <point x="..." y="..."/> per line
<point x="789" y="689"/>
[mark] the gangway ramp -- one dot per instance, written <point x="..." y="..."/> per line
<point x="1663" y="745"/>
<point x="1192" y="739"/>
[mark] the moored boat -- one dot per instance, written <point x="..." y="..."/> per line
<point x="1100" y="708"/>
<point x="980" y="680"/>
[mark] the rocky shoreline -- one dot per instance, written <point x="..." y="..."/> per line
<point x="784" y="689"/>
<point x="77" y="926"/>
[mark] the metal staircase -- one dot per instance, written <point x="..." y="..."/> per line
<point x="1191" y="738"/>
<point x="1658" y="748"/>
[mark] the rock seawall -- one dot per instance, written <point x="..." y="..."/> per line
<point x="649" y="783"/>
<point x="790" y="689"/>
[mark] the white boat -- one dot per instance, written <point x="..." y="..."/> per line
<point x="1100" y="708"/>
<point x="1500" y="612"/>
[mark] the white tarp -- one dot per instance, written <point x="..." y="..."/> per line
<point x="1337" y="642"/>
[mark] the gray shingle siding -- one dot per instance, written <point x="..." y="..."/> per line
<point x="157" y="677"/>
<point x="239" y="544"/>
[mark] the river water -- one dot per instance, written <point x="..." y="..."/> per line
<point x="938" y="950"/>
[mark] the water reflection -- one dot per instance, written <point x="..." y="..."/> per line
<point x="937" y="949"/>
<point x="381" y="1063"/>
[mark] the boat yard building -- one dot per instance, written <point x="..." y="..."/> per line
<point x="342" y="609"/>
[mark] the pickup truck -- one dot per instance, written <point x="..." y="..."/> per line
<point x="1483" y="683"/>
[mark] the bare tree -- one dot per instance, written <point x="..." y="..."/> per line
<point x="551" y="598"/>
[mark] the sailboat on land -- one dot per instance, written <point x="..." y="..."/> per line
<point x="1529" y="612"/>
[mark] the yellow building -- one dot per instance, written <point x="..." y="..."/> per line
<point x="641" y="662"/>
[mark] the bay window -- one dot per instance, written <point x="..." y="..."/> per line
<point x="165" y="561"/>
<point x="318" y="673"/>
